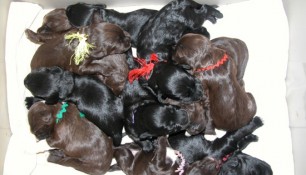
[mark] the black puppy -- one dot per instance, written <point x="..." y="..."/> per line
<point x="161" y="32"/>
<point x="91" y="96"/>
<point x="172" y="81"/>
<point x="81" y="14"/>
<point x="196" y="147"/>
<point x="131" y="22"/>
<point x="241" y="163"/>
<point x="147" y="121"/>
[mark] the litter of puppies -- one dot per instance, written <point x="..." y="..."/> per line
<point x="181" y="86"/>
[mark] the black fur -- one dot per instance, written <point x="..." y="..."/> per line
<point x="161" y="32"/>
<point x="81" y="14"/>
<point x="148" y="121"/>
<point x="91" y="96"/>
<point x="171" y="81"/>
<point x="196" y="147"/>
<point x="241" y="163"/>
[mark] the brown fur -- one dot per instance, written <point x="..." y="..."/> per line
<point x="54" y="24"/>
<point x="106" y="59"/>
<point x="237" y="50"/>
<point x="230" y="106"/>
<point x="77" y="142"/>
<point x="157" y="162"/>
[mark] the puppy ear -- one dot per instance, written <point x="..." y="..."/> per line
<point x="98" y="52"/>
<point x="82" y="14"/>
<point x="79" y="14"/>
<point x="66" y="84"/>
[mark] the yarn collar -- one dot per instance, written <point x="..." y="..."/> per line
<point x="223" y="160"/>
<point x="181" y="167"/>
<point x="59" y="115"/>
<point x="83" y="48"/>
<point x="145" y="68"/>
<point x="216" y="65"/>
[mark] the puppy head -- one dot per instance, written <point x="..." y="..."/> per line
<point x="41" y="119"/>
<point x="107" y="39"/>
<point x="207" y="166"/>
<point x="240" y="163"/>
<point x="190" y="49"/>
<point x="55" y="21"/>
<point x="82" y="14"/>
<point x="51" y="84"/>
<point x="173" y="82"/>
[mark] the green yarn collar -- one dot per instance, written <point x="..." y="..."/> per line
<point x="59" y="115"/>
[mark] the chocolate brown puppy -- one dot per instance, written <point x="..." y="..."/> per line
<point x="76" y="142"/>
<point x="230" y="106"/>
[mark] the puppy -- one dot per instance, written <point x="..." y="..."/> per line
<point x="196" y="147"/>
<point x="161" y="32"/>
<point x="147" y="121"/>
<point x="171" y="81"/>
<point x="91" y="96"/>
<point x="54" y="23"/>
<point x="131" y="22"/>
<point x="107" y="58"/>
<point x="197" y="114"/>
<point x="237" y="50"/>
<point x="241" y="163"/>
<point x="229" y="105"/>
<point x="161" y="160"/>
<point x="76" y="141"/>
<point x="82" y="14"/>
<point x="112" y="70"/>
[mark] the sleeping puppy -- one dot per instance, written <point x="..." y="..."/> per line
<point x="82" y="14"/>
<point x="161" y="32"/>
<point x="153" y="162"/>
<point x="234" y="47"/>
<point x="131" y="22"/>
<point x="54" y="23"/>
<point x="163" y="160"/>
<point x="147" y="121"/>
<point x="237" y="50"/>
<point x="92" y="97"/>
<point x="106" y="59"/>
<point x="229" y="105"/>
<point x="112" y="70"/>
<point x="76" y="141"/>
<point x="241" y="163"/>
<point x="196" y="147"/>
<point x="197" y="114"/>
<point x="171" y="81"/>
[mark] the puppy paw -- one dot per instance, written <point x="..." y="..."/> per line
<point x="56" y="155"/>
<point x="29" y="101"/>
<point x="213" y="14"/>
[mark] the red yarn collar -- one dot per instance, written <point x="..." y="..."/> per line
<point x="210" y="67"/>
<point x="223" y="160"/>
<point x="144" y="70"/>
